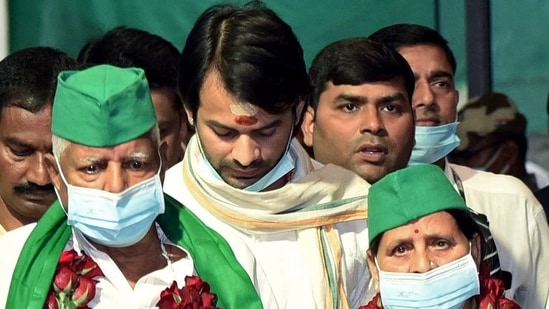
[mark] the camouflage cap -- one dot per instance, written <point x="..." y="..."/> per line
<point x="491" y="113"/>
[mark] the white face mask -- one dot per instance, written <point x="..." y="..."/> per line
<point x="285" y="165"/>
<point x="492" y="160"/>
<point x="115" y="219"/>
<point x="448" y="286"/>
<point x="434" y="143"/>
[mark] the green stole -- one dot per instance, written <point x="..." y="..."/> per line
<point x="213" y="258"/>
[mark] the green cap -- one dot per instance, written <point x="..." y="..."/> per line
<point x="409" y="194"/>
<point x="102" y="106"/>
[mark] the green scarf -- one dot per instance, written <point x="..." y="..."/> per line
<point x="213" y="258"/>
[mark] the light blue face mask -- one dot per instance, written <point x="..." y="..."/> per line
<point x="434" y="143"/>
<point x="285" y="165"/>
<point x="115" y="219"/>
<point x="448" y="286"/>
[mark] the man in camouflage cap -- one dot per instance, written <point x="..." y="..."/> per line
<point x="493" y="137"/>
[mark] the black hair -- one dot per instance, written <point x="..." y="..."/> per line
<point x="357" y="61"/>
<point x="129" y="47"/>
<point x="28" y="77"/>
<point x="404" y="35"/>
<point x="256" y="54"/>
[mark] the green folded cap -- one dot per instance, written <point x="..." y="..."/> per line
<point x="102" y="106"/>
<point x="409" y="194"/>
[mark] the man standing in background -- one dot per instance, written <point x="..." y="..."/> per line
<point x="28" y="79"/>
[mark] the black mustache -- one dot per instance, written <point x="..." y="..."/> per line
<point x="254" y="164"/>
<point x="33" y="188"/>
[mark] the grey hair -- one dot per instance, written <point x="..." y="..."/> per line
<point x="59" y="144"/>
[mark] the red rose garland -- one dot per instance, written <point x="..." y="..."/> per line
<point x="73" y="285"/>
<point x="194" y="295"/>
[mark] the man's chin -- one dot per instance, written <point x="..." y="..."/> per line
<point x="372" y="173"/>
<point x="239" y="184"/>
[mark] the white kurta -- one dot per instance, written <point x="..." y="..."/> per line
<point x="113" y="290"/>
<point x="277" y="263"/>
<point x="519" y="227"/>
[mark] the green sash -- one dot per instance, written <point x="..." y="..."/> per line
<point x="213" y="258"/>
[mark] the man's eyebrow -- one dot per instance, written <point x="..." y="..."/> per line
<point x="350" y="98"/>
<point x="397" y="96"/>
<point x="139" y="155"/>
<point x="436" y="74"/>
<point x="440" y="73"/>
<point x="17" y="142"/>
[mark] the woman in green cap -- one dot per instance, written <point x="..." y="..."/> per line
<point x="425" y="249"/>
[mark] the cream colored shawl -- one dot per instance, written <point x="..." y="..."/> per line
<point x="309" y="205"/>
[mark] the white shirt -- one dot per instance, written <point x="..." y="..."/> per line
<point x="113" y="290"/>
<point x="519" y="228"/>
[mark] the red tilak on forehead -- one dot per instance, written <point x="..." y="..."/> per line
<point x="416" y="231"/>
<point x="245" y="120"/>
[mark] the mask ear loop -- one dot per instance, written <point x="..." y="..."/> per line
<point x="64" y="181"/>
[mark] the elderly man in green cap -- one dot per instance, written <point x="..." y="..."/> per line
<point x="425" y="247"/>
<point x="103" y="243"/>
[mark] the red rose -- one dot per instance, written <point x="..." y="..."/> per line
<point x="73" y="285"/>
<point x="84" y="292"/>
<point x="67" y="257"/>
<point x="65" y="279"/>
<point x="51" y="301"/>
<point x="89" y="268"/>
<point x="492" y="294"/>
<point x="194" y="295"/>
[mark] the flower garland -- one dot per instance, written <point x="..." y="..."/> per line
<point x="73" y="285"/>
<point x="194" y="295"/>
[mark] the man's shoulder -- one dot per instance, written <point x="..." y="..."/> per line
<point x="12" y="242"/>
<point x="489" y="182"/>
<point x="11" y="245"/>
<point x="15" y="236"/>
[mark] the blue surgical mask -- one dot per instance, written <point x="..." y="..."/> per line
<point x="115" y="219"/>
<point x="434" y="143"/>
<point x="447" y="286"/>
<point x="285" y="165"/>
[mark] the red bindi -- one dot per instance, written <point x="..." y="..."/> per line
<point x="416" y="231"/>
<point x="245" y="120"/>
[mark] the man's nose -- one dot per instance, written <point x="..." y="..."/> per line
<point x="423" y="97"/>
<point x="37" y="172"/>
<point x="245" y="150"/>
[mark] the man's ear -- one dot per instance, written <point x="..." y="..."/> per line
<point x="52" y="169"/>
<point x="189" y="113"/>
<point x="373" y="269"/>
<point x="308" y="126"/>
<point x="164" y="156"/>
<point x="185" y="130"/>
<point x="299" y="111"/>
<point x="476" y="249"/>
